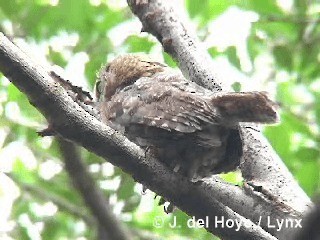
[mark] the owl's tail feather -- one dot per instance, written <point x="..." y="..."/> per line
<point x="238" y="107"/>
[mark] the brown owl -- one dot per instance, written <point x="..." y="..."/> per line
<point x="192" y="130"/>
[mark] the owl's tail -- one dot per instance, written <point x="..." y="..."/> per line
<point x="238" y="107"/>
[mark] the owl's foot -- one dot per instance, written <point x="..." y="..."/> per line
<point x="144" y="190"/>
<point x="167" y="209"/>
<point x="49" y="131"/>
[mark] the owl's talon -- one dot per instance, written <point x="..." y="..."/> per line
<point x="169" y="209"/>
<point x="47" y="132"/>
<point x="144" y="190"/>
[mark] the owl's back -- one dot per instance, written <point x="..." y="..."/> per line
<point x="176" y="119"/>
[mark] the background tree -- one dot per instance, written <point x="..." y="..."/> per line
<point x="275" y="48"/>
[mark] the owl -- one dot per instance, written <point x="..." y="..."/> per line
<point x="193" y="130"/>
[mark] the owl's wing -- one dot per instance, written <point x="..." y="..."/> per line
<point x="164" y="101"/>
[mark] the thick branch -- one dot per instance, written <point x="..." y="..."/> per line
<point x="260" y="163"/>
<point x="72" y="122"/>
<point x="311" y="230"/>
<point x="93" y="197"/>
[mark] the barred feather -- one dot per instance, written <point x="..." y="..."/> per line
<point x="193" y="129"/>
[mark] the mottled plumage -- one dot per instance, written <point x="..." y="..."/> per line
<point x="193" y="130"/>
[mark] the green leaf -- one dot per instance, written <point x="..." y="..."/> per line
<point x="309" y="176"/>
<point x="233" y="57"/>
<point x="57" y="58"/>
<point x="213" y="51"/>
<point x="261" y="6"/>
<point x="307" y="154"/>
<point x="168" y="60"/>
<point x="254" y="46"/>
<point x="139" y="44"/>
<point x="126" y="188"/>
<point x="307" y="64"/>
<point x="279" y="31"/>
<point x="278" y="135"/>
<point x="317" y="108"/>
<point x="22" y="174"/>
<point x="283" y="56"/>
<point x="206" y="9"/>
<point x="236" y="86"/>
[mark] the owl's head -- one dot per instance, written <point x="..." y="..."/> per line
<point x="123" y="71"/>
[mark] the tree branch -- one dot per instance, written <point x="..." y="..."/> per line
<point x="70" y="121"/>
<point x="93" y="197"/>
<point x="311" y="231"/>
<point x="210" y="198"/>
<point x="260" y="163"/>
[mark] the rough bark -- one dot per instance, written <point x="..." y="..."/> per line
<point x="260" y="164"/>
<point x="212" y="197"/>
<point x="70" y="121"/>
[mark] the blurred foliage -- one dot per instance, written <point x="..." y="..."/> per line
<point x="282" y="43"/>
